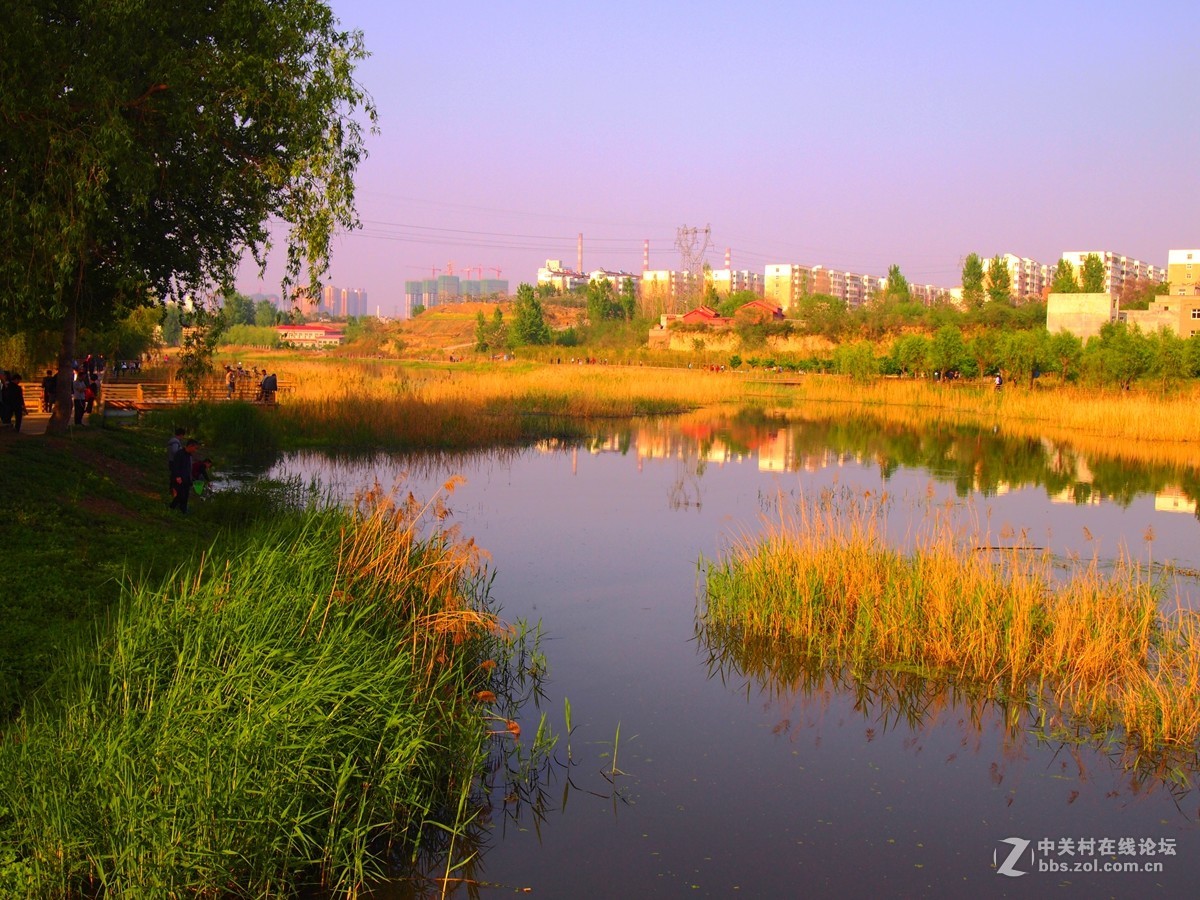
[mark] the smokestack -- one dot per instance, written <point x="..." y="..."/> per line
<point x="579" y="268"/>
<point x="646" y="255"/>
<point x="728" y="256"/>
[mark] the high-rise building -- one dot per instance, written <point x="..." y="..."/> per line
<point x="1119" y="271"/>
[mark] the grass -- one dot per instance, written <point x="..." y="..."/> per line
<point x="290" y="713"/>
<point x="825" y="583"/>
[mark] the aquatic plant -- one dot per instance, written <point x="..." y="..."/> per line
<point x="825" y="582"/>
<point x="295" y="713"/>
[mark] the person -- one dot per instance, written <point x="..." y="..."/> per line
<point x="270" y="384"/>
<point x="230" y="383"/>
<point x="181" y="476"/>
<point x="49" y="389"/>
<point x="79" y="395"/>
<point x="201" y="475"/>
<point x="5" y="410"/>
<point x="14" y="400"/>
<point x="174" y="448"/>
<point x="999" y="381"/>
<point x="92" y="394"/>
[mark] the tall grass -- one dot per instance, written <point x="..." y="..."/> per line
<point x="825" y="582"/>
<point x="292" y="714"/>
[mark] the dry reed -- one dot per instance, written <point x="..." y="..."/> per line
<point x="825" y="581"/>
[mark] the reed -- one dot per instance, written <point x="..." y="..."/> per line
<point x="825" y="581"/>
<point x="292" y="714"/>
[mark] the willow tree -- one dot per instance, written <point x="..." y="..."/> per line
<point x="145" y="147"/>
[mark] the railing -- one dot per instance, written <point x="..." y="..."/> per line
<point x="146" y="395"/>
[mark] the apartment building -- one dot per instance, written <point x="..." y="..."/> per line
<point x="563" y="279"/>
<point x="1027" y="277"/>
<point x="728" y="281"/>
<point x="1119" y="271"/>
<point x="1183" y="272"/>
<point x="666" y="290"/>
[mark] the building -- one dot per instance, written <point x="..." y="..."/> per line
<point x="1120" y="272"/>
<point x="1180" y="314"/>
<point x="1027" y="277"/>
<point x="666" y="290"/>
<point x="1183" y="272"/>
<point x="342" y="302"/>
<point x="1083" y="315"/>
<point x="310" y="336"/>
<point x="563" y="280"/>
<point x="615" y="278"/>
<point x="728" y="281"/>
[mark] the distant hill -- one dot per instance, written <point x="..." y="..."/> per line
<point x="452" y="327"/>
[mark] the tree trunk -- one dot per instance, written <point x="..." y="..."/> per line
<point x="60" y="417"/>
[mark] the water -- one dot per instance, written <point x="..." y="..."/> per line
<point x="740" y="780"/>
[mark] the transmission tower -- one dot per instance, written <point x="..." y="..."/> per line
<point x="692" y="251"/>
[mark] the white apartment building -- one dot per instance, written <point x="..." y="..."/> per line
<point x="563" y="279"/>
<point x="1118" y="270"/>
<point x="1027" y="277"/>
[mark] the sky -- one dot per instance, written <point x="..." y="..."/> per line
<point x="854" y="135"/>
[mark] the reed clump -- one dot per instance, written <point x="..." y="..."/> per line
<point x="825" y="583"/>
<point x="291" y="715"/>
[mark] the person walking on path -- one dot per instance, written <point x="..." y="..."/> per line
<point x="181" y="476"/>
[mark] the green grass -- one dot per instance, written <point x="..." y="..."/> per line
<point x="274" y="716"/>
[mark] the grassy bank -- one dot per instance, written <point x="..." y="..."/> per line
<point x="80" y="516"/>
<point x="289" y="713"/>
<point x="826" y="584"/>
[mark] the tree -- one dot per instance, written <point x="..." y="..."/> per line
<point x="265" y="314"/>
<point x="1139" y="293"/>
<point x="947" y="351"/>
<point x="172" y="325"/>
<point x="972" y="281"/>
<point x="999" y="287"/>
<point x="896" y="286"/>
<point x="145" y="147"/>
<point x="628" y="299"/>
<point x="1092" y="274"/>
<point x="237" y="309"/>
<point x="909" y="354"/>
<point x="856" y="360"/>
<point x="601" y="302"/>
<point x="1065" y="350"/>
<point x="1118" y="355"/>
<point x="1064" y="281"/>
<point x="1023" y="354"/>
<point x="490" y="334"/>
<point x="529" y="322"/>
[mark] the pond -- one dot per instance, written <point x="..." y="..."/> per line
<point x="760" y="778"/>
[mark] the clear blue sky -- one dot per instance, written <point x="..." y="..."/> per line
<point x="854" y="135"/>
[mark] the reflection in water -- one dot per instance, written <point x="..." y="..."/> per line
<point x="972" y="459"/>
<point x="843" y="778"/>
<point x="891" y="700"/>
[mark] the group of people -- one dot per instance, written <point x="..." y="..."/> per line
<point x="188" y="474"/>
<point x="268" y="383"/>
<point x="12" y="400"/>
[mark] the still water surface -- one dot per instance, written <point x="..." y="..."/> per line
<point x="743" y="778"/>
